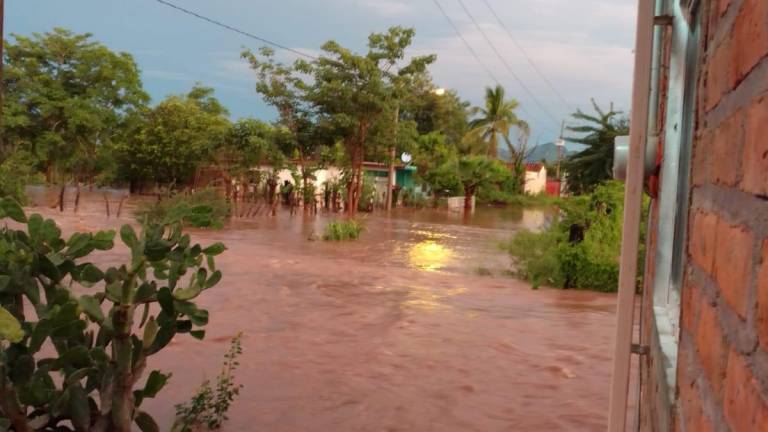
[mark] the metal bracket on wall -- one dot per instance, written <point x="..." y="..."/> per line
<point x="640" y="349"/>
<point x="663" y="20"/>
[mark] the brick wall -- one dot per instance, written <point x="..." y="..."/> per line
<point x="722" y="373"/>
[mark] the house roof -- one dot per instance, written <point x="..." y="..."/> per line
<point x="534" y="167"/>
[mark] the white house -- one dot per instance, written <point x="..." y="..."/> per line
<point x="535" y="178"/>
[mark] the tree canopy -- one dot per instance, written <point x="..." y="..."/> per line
<point x="592" y="165"/>
<point x="66" y="97"/>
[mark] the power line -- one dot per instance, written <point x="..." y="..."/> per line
<point x="469" y="47"/>
<point x="472" y="50"/>
<point x="527" y="57"/>
<point x="507" y="66"/>
<point x="236" y="30"/>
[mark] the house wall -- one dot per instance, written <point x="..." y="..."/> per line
<point x="720" y="382"/>
<point x="535" y="181"/>
<point x="723" y="369"/>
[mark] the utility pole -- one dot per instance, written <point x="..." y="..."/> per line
<point x="392" y="151"/>
<point x="560" y="145"/>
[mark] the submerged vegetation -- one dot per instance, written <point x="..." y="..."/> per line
<point x="581" y="246"/>
<point x="341" y="230"/>
<point x="201" y="209"/>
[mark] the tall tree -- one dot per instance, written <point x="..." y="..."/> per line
<point x="65" y="97"/>
<point x="477" y="171"/>
<point x="174" y="138"/>
<point x="592" y="166"/>
<point x="496" y="118"/>
<point x="353" y="91"/>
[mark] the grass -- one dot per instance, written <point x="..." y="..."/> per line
<point x="201" y="209"/>
<point x="343" y="230"/>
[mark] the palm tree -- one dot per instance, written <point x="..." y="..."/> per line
<point x="591" y="166"/>
<point x="495" y="119"/>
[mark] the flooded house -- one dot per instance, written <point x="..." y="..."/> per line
<point x="700" y="108"/>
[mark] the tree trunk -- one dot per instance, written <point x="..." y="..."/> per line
<point x="468" y="194"/>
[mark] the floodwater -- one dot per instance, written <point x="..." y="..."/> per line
<point x="402" y="330"/>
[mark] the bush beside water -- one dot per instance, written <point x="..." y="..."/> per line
<point x="202" y="209"/>
<point x="349" y="229"/>
<point x="580" y="248"/>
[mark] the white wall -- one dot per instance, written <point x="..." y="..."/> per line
<point x="536" y="182"/>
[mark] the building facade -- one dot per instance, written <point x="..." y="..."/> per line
<point x="704" y="315"/>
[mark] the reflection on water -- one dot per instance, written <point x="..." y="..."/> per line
<point x="429" y="255"/>
<point x="426" y="298"/>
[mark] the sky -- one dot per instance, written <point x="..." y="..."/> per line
<point x="582" y="47"/>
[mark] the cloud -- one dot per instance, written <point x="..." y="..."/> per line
<point x="578" y="66"/>
<point x="387" y="7"/>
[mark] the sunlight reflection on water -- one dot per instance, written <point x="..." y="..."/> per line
<point x="429" y="255"/>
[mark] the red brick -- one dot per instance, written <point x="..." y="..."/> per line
<point x="725" y="151"/>
<point x="750" y="37"/>
<point x="719" y="78"/>
<point x="733" y="264"/>
<point x="693" y="415"/>
<point x="711" y="345"/>
<point x="745" y="409"/>
<point x="756" y="149"/>
<point x="699" y="166"/>
<point x="689" y="306"/>
<point x="702" y="244"/>
<point x="762" y="299"/>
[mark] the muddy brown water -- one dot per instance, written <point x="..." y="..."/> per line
<point x="397" y="331"/>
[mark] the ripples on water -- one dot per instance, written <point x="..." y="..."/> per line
<point x="394" y="332"/>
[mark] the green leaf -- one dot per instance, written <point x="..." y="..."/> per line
<point x="91" y="274"/>
<point x="145" y="422"/>
<point x="198" y="334"/>
<point x="79" y="374"/>
<point x="188" y="293"/>
<point x="213" y="280"/>
<point x="79" y="407"/>
<point x="11" y="209"/>
<point x="128" y="236"/>
<point x="39" y="333"/>
<point x="150" y="333"/>
<point x="79" y="245"/>
<point x="38" y="391"/>
<point x="4" y="282"/>
<point x="145" y="292"/>
<point x="215" y="249"/>
<point x="92" y="308"/>
<point x="10" y="328"/>
<point x="165" y="298"/>
<point x="104" y="240"/>
<point x="155" y="383"/>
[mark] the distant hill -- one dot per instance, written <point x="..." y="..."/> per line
<point x="547" y="152"/>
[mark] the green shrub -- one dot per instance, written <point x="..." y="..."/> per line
<point x="208" y="407"/>
<point x="349" y="229"/>
<point x="77" y="338"/>
<point x="536" y="257"/>
<point x="202" y="209"/>
<point x="16" y="172"/>
<point x="592" y="262"/>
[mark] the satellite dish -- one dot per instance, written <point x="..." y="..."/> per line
<point x="405" y="157"/>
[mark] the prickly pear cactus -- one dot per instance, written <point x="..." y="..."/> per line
<point x="77" y="338"/>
